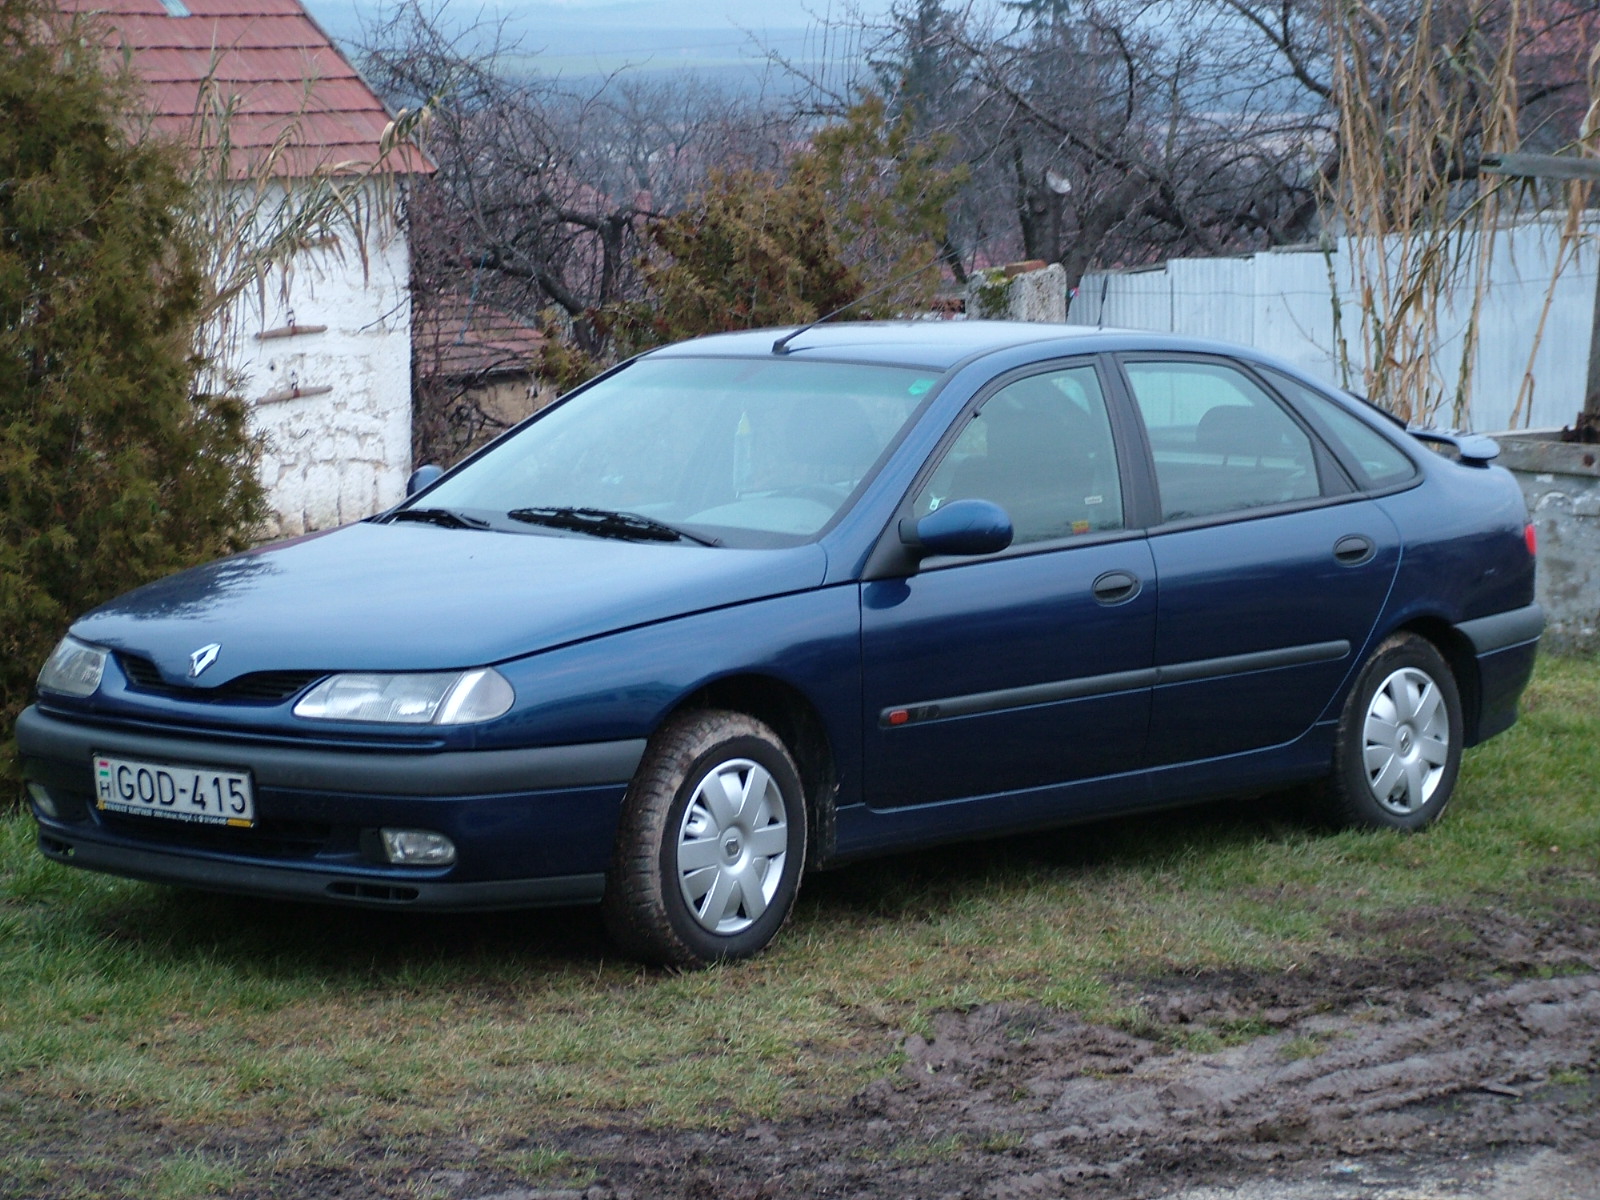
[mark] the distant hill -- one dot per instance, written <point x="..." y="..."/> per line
<point x="724" y="40"/>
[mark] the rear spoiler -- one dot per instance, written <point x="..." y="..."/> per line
<point x="1471" y="449"/>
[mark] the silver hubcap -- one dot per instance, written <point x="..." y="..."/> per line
<point x="1406" y="741"/>
<point x="732" y="845"/>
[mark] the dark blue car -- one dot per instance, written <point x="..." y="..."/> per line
<point x="766" y="601"/>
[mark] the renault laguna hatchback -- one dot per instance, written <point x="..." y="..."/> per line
<point x="765" y="602"/>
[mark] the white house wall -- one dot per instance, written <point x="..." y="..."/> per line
<point x="1283" y="302"/>
<point x="330" y="457"/>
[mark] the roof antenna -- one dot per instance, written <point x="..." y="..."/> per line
<point x="781" y="346"/>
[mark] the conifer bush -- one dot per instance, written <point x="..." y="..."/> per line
<point x="113" y="470"/>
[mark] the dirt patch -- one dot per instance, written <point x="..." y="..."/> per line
<point x="1470" y="1068"/>
<point x="1465" y="1068"/>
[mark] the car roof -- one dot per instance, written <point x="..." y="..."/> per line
<point x="934" y="344"/>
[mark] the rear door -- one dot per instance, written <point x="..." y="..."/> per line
<point x="1028" y="668"/>
<point x="1272" y="567"/>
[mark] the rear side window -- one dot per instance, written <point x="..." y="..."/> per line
<point x="1379" y="462"/>
<point x="1221" y="444"/>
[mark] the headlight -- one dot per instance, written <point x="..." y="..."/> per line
<point x="73" y="669"/>
<point x="431" y="698"/>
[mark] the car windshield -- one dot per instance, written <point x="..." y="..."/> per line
<point x="742" y="452"/>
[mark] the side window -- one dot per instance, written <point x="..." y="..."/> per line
<point x="1041" y="449"/>
<point x="1220" y="443"/>
<point x="1379" y="461"/>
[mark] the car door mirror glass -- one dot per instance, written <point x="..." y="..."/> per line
<point x="962" y="527"/>
<point x="422" y="477"/>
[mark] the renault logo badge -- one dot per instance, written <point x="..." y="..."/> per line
<point x="203" y="658"/>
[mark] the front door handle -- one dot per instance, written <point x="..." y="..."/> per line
<point x="1354" y="549"/>
<point x="1116" y="587"/>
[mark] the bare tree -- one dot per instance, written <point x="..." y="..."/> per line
<point x="1116" y="132"/>
<point x="1541" y="50"/>
<point x="1096" y="133"/>
<point x="541" y="188"/>
<point x="538" y="207"/>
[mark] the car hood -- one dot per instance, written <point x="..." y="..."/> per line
<point x="419" y="597"/>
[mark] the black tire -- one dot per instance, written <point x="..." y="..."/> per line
<point x="1398" y="749"/>
<point x="662" y="910"/>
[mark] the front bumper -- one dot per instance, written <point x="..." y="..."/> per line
<point x="531" y="826"/>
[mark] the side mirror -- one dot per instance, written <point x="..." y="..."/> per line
<point x="962" y="527"/>
<point x="422" y="477"/>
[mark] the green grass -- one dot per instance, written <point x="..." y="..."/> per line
<point x="179" y="1044"/>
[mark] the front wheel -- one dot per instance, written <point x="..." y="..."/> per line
<point x="1399" y="743"/>
<point x="710" y="845"/>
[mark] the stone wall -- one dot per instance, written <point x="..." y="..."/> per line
<point x="1561" y="482"/>
<point x="1029" y="291"/>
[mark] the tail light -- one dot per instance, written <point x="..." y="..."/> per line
<point x="1531" y="537"/>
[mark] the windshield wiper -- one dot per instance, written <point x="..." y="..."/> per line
<point x="446" y="517"/>
<point x="605" y="522"/>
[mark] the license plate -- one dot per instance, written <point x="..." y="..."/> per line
<point x="199" y="794"/>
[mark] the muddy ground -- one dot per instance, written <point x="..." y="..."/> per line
<point x="1466" y="1066"/>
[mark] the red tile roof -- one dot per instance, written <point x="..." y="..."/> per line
<point x="453" y="335"/>
<point x="285" y="78"/>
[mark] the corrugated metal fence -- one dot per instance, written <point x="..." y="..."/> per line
<point x="1283" y="302"/>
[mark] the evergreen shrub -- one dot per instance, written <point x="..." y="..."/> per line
<point x="113" y="471"/>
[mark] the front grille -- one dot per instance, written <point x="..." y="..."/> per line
<point x="387" y="892"/>
<point x="141" y="672"/>
<point x="269" y="687"/>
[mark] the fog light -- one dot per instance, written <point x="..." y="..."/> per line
<point x="417" y="848"/>
<point x="44" y="801"/>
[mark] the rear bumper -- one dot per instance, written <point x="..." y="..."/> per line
<point x="531" y="826"/>
<point x="1506" y="630"/>
<point x="1505" y="645"/>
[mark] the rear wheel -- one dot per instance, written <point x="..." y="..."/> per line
<point x="1399" y="742"/>
<point x="711" y="843"/>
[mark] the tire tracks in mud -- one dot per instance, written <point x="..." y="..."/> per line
<point x="1447" y="1072"/>
<point x="1478" y="1069"/>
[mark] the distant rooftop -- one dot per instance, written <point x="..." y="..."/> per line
<point x="283" y="72"/>
<point x="453" y="335"/>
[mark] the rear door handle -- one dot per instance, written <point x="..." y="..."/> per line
<point x="1116" y="587"/>
<point x="1354" y="549"/>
